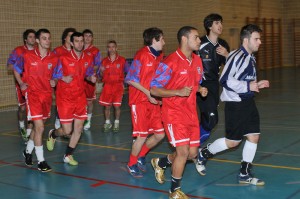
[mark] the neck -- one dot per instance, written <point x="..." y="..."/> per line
<point x="68" y="46"/>
<point x="112" y="57"/>
<point x="29" y="47"/>
<point x="213" y="37"/>
<point x="43" y="51"/>
<point x="187" y="52"/>
<point x="86" y="46"/>
<point x="78" y="53"/>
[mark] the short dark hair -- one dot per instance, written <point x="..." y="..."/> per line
<point x="75" y="34"/>
<point x="87" y="31"/>
<point x="247" y="30"/>
<point x="152" y="33"/>
<point x="184" y="31"/>
<point x="112" y="42"/>
<point x="40" y="31"/>
<point x="209" y="20"/>
<point x="65" y="34"/>
<point x="26" y="33"/>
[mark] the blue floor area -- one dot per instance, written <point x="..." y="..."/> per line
<point x="102" y="157"/>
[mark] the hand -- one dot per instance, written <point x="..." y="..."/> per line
<point x="222" y="51"/>
<point x="52" y="83"/>
<point x="185" y="91"/>
<point x="254" y="86"/>
<point x="263" y="84"/>
<point x="23" y="86"/>
<point x="67" y="79"/>
<point x="203" y="91"/>
<point x="93" y="78"/>
<point x="152" y="100"/>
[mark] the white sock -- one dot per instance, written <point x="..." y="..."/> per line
<point x="217" y="146"/>
<point x="107" y="121"/>
<point x="117" y="121"/>
<point x="249" y="151"/>
<point x="22" y="124"/>
<point x="39" y="151"/>
<point x="89" y="116"/>
<point x="30" y="146"/>
<point x="28" y="131"/>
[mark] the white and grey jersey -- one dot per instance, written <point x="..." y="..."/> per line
<point x="236" y="76"/>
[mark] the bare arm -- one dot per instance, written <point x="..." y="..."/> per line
<point x="162" y="92"/>
<point x="23" y="85"/>
<point x="144" y="90"/>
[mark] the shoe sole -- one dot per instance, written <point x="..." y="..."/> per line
<point x="153" y="166"/>
<point x="29" y="165"/>
<point x="138" y="176"/>
<point x="44" y="171"/>
<point x="258" y="184"/>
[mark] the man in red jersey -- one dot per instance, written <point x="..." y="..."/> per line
<point x="33" y="72"/>
<point x="145" y="110"/>
<point x="61" y="50"/>
<point x="112" y="73"/>
<point x="72" y="70"/>
<point x="90" y="88"/>
<point x="177" y="80"/>
<point x="29" y="44"/>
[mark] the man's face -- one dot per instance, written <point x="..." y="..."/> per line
<point x="67" y="40"/>
<point x="78" y="44"/>
<point x="88" y="38"/>
<point x="193" y="40"/>
<point x="253" y="43"/>
<point x="158" y="45"/>
<point x="30" y="39"/>
<point x="216" y="27"/>
<point x="44" y="41"/>
<point x="112" y="48"/>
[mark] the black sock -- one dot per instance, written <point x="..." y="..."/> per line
<point x="164" y="162"/>
<point x="69" y="151"/>
<point x="53" y="134"/>
<point x="175" y="184"/>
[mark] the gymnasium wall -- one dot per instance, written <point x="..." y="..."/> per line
<point x="124" y="21"/>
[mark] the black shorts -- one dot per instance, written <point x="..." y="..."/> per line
<point x="241" y="118"/>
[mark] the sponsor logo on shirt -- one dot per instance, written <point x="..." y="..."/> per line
<point x="183" y="72"/>
<point x="207" y="51"/>
<point x="72" y="64"/>
<point x="34" y="63"/>
<point x="150" y="64"/>
<point x="89" y="53"/>
<point x="250" y="77"/>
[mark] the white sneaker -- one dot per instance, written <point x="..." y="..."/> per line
<point x="57" y="124"/>
<point x="87" y="125"/>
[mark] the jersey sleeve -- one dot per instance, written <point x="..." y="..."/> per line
<point x="134" y="72"/>
<point x="57" y="72"/>
<point x="12" y="58"/>
<point x="162" y="76"/>
<point x="19" y="64"/>
<point x="90" y="70"/>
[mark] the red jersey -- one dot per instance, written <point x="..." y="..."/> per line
<point x="17" y="52"/>
<point x="141" y="71"/>
<point x="61" y="50"/>
<point x="36" y="71"/>
<point x="176" y="72"/>
<point x="78" y="68"/>
<point x="95" y="53"/>
<point x="113" y="70"/>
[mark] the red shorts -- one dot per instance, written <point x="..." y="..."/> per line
<point x="20" y="97"/>
<point x="38" y="105"/>
<point x="111" y="94"/>
<point x="71" y="108"/>
<point x="146" y="119"/>
<point x="90" y="90"/>
<point x="183" y="134"/>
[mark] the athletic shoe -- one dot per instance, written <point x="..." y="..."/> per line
<point x="248" y="179"/>
<point x="57" y="123"/>
<point x="134" y="171"/>
<point x="28" y="158"/>
<point x="177" y="194"/>
<point x="24" y="134"/>
<point x="70" y="160"/>
<point x="141" y="163"/>
<point x="50" y="141"/>
<point x="44" y="167"/>
<point x="87" y="124"/>
<point x="159" y="172"/>
<point x="107" y="127"/>
<point x="200" y="164"/>
<point x="116" y="128"/>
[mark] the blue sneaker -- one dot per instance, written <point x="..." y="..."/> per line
<point x="141" y="163"/>
<point x="134" y="171"/>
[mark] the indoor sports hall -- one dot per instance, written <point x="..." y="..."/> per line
<point x="102" y="156"/>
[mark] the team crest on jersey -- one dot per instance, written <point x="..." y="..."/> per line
<point x="199" y="70"/>
<point x="86" y="64"/>
<point x="49" y="66"/>
<point x="206" y="56"/>
<point x="118" y="65"/>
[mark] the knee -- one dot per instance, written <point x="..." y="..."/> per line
<point x="232" y="144"/>
<point x="159" y="136"/>
<point x="39" y="129"/>
<point x="253" y="138"/>
<point x="183" y="153"/>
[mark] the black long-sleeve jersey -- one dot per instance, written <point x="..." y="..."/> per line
<point x="211" y="60"/>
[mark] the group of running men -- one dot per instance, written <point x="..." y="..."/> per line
<point x="163" y="96"/>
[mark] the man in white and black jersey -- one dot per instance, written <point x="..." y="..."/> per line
<point x="213" y="52"/>
<point x="239" y="82"/>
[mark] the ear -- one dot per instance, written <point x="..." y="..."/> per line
<point x="37" y="41"/>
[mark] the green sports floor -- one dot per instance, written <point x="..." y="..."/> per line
<point x="102" y="157"/>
